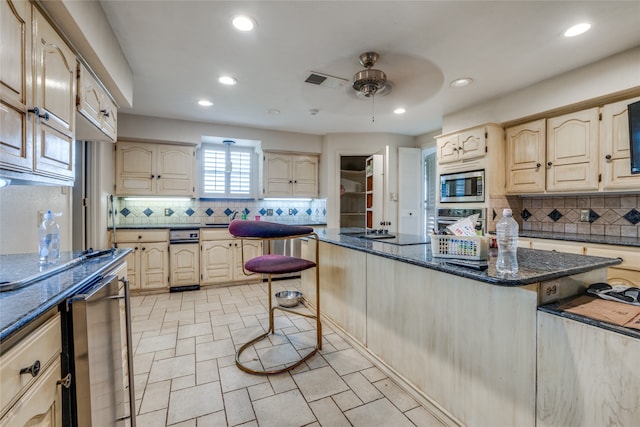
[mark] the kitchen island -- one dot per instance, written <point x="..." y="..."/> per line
<point x="464" y="342"/>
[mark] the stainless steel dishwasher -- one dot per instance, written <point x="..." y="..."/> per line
<point x="101" y="354"/>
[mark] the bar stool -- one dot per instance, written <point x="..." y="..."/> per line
<point x="271" y="264"/>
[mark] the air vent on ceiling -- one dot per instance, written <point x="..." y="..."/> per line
<point x="325" y="80"/>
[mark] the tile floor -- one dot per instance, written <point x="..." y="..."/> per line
<point x="185" y="374"/>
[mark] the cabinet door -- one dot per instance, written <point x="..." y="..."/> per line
<point x="216" y="261"/>
<point x="154" y="265"/>
<point x="135" y="169"/>
<point x="305" y="176"/>
<point x="472" y="144"/>
<point x="526" y="145"/>
<point x="174" y="172"/>
<point x="614" y="148"/>
<point x="245" y="250"/>
<point x="16" y="149"/>
<point x="447" y="148"/>
<point x="278" y="173"/>
<point x="185" y="264"/>
<point x="572" y="151"/>
<point x="55" y="96"/>
<point x="109" y="118"/>
<point x="133" y="264"/>
<point x="89" y="97"/>
<point x="41" y="405"/>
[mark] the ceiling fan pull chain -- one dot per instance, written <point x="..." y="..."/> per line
<point x="373" y="109"/>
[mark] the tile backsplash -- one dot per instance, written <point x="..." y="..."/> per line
<point x="194" y="211"/>
<point x="611" y="215"/>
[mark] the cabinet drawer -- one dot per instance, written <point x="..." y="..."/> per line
<point x="630" y="255"/>
<point x="215" y="234"/>
<point x="133" y="236"/>
<point x="44" y="345"/>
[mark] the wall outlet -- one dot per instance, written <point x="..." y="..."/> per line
<point x="167" y="211"/>
<point x="584" y="215"/>
<point x="269" y="212"/>
<point x="290" y="211"/>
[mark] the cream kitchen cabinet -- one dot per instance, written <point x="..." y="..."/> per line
<point x="552" y="245"/>
<point x="31" y="395"/>
<point x="184" y="264"/>
<point x="628" y="272"/>
<point x="144" y="169"/>
<point x="615" y="155"/>
<point x="96" y="107"/>
<point x="290" y="175"/>
<point x="462" y="146"/>
<point x="526" y="150"/>
<point x="38" y="109"/>
<point x="148" y="262"/>
<point x="221" y="257"/>
<point x="572" y="151"/>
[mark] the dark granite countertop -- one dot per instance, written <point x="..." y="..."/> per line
<point x="21" y="306"/>
<point x="197" y="226"/>
<point x="534" y="265"/>
<point x="586" y="238"/>
<point x="553" y="308"/>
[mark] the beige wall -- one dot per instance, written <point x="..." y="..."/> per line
<point x="19" y="206"/>
<point x="614" y="74"/>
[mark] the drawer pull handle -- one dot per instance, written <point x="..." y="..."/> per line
<point x="65" y="382"/>
<point x="34" y="369"/>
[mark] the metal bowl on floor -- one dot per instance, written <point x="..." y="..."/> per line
<point x="288" y="298"/>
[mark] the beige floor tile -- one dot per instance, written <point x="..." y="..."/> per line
<point x="366" y="391"/>
<point x="328" y="413"/>
<point x="172" y="368"/>
<point x="233" y="378"/>
<point x="423" y="418"/>
<point x="194" y="402"/>
<point x="186" y="346"/>
<point x="183" y="316"/>
<point x="373" y="374"/>
<point x="260" y="391"/>
<point x="140" y="382"/>
<point x="188" y="423"/>
<point x="347" y="361"/>
<point x="207" y="371"/>
<point x="152" y="419"/>
<point x="380" y="413"/>
<point x="396" y="395"/>
<point x="319" y="383"/>
<point x="238" y="407"/>
<point x="217" y="419"/>
<point x="142" y="363"/>
<point x="316" y="361"/>
<point x="347" y="400"/>
<point x="156" y="397"/>
<point x="225" y="319"/>
<point x="336" y="341"/>
<point x="282" y="382"/>
<point x="183" y="382"/>
<point x="214" y="349"/>
<point x="269" y="411"/>
<point x="221" y="332"/>
<point x="164" y="354"/>
<point x="157" y="343"/>
<point x="241" y="336"/>
<point x="279" y="355"/>
<point x="186" y="331"/>
<point x="300" y="340"/>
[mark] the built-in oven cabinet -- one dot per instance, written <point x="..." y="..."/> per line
<point x="31" y="378"/>
<point x="148" y="262"/>
<point x="221" y="257"/>
<point x="582" y="151"/>
<point x="461" y="146"/>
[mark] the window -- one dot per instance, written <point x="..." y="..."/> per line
<point x="227" y="171"/>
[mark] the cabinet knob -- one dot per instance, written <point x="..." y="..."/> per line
<point x="549" y="163"/>
<point x="152" y="176"/>
<point x="143" y="248"/>
<point x="230" y="244"/>
<point x="158" y="176"/>
<point x="36" y="111"/>
<point x="34" y="369"/>
<point x="608" y="157"/>
<point x="105" y="113"/>
<point x="538" y="165"/>
<point x="65" y="382"/>
<point x="290" y="182"/>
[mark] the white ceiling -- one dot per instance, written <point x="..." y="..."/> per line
<point x="177" y="49"/>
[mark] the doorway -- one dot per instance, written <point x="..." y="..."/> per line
<point x="430" y="189"/>
<point x="352" y="191"/>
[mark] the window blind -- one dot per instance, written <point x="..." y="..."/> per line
<point x="226" y="171"/>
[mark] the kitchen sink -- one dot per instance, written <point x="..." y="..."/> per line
<point x="370" y="236"/>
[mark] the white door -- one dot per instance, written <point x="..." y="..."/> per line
<point x="409" y="189"/>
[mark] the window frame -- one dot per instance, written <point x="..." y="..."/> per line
<point x="229" y="151"/>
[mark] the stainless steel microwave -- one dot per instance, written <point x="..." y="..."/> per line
<point x="462" y="187"/>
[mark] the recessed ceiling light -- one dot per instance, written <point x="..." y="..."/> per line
<point x="465" y="81"/>
<point x="243" y="23"/>
<point x="578" y="29"/>
<point x="399" y="111"/>
<point x="227" y="80"/>
<point x="205" y="103"/>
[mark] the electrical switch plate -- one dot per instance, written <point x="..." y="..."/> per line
<point x="584" y="215"/>
<point x="167" y="211"/>
<point x="290" y="211"/>
<point x="269" y="212"/>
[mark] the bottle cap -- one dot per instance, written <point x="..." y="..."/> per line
<point x="507" y="212"/>
<point x="48" y="215"/>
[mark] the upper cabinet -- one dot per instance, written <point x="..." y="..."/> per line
<point x="461" y="146"/>
<point x="290" y="175"/>
<point x="584" y="151"/>
<point x="99" y="113"/>
<point x="37" y="117"/>
<point x="615" y="163"/>
<point x="145" y="169"/>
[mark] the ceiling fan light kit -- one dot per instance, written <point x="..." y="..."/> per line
<point x="370" y="81"/>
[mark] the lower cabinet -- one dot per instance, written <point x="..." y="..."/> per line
<point x="552" y="245"/>
<point x="221" y="257"/>
<point x="628" y="272"/>
<point x="33" y="398"/>
<point x="587" y="376"/>
<point x="184" y="264"/>
<point x="148" y="263"/>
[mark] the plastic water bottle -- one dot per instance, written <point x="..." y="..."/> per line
<point x="507" y="234"/>
<point x="49" y="240"/>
